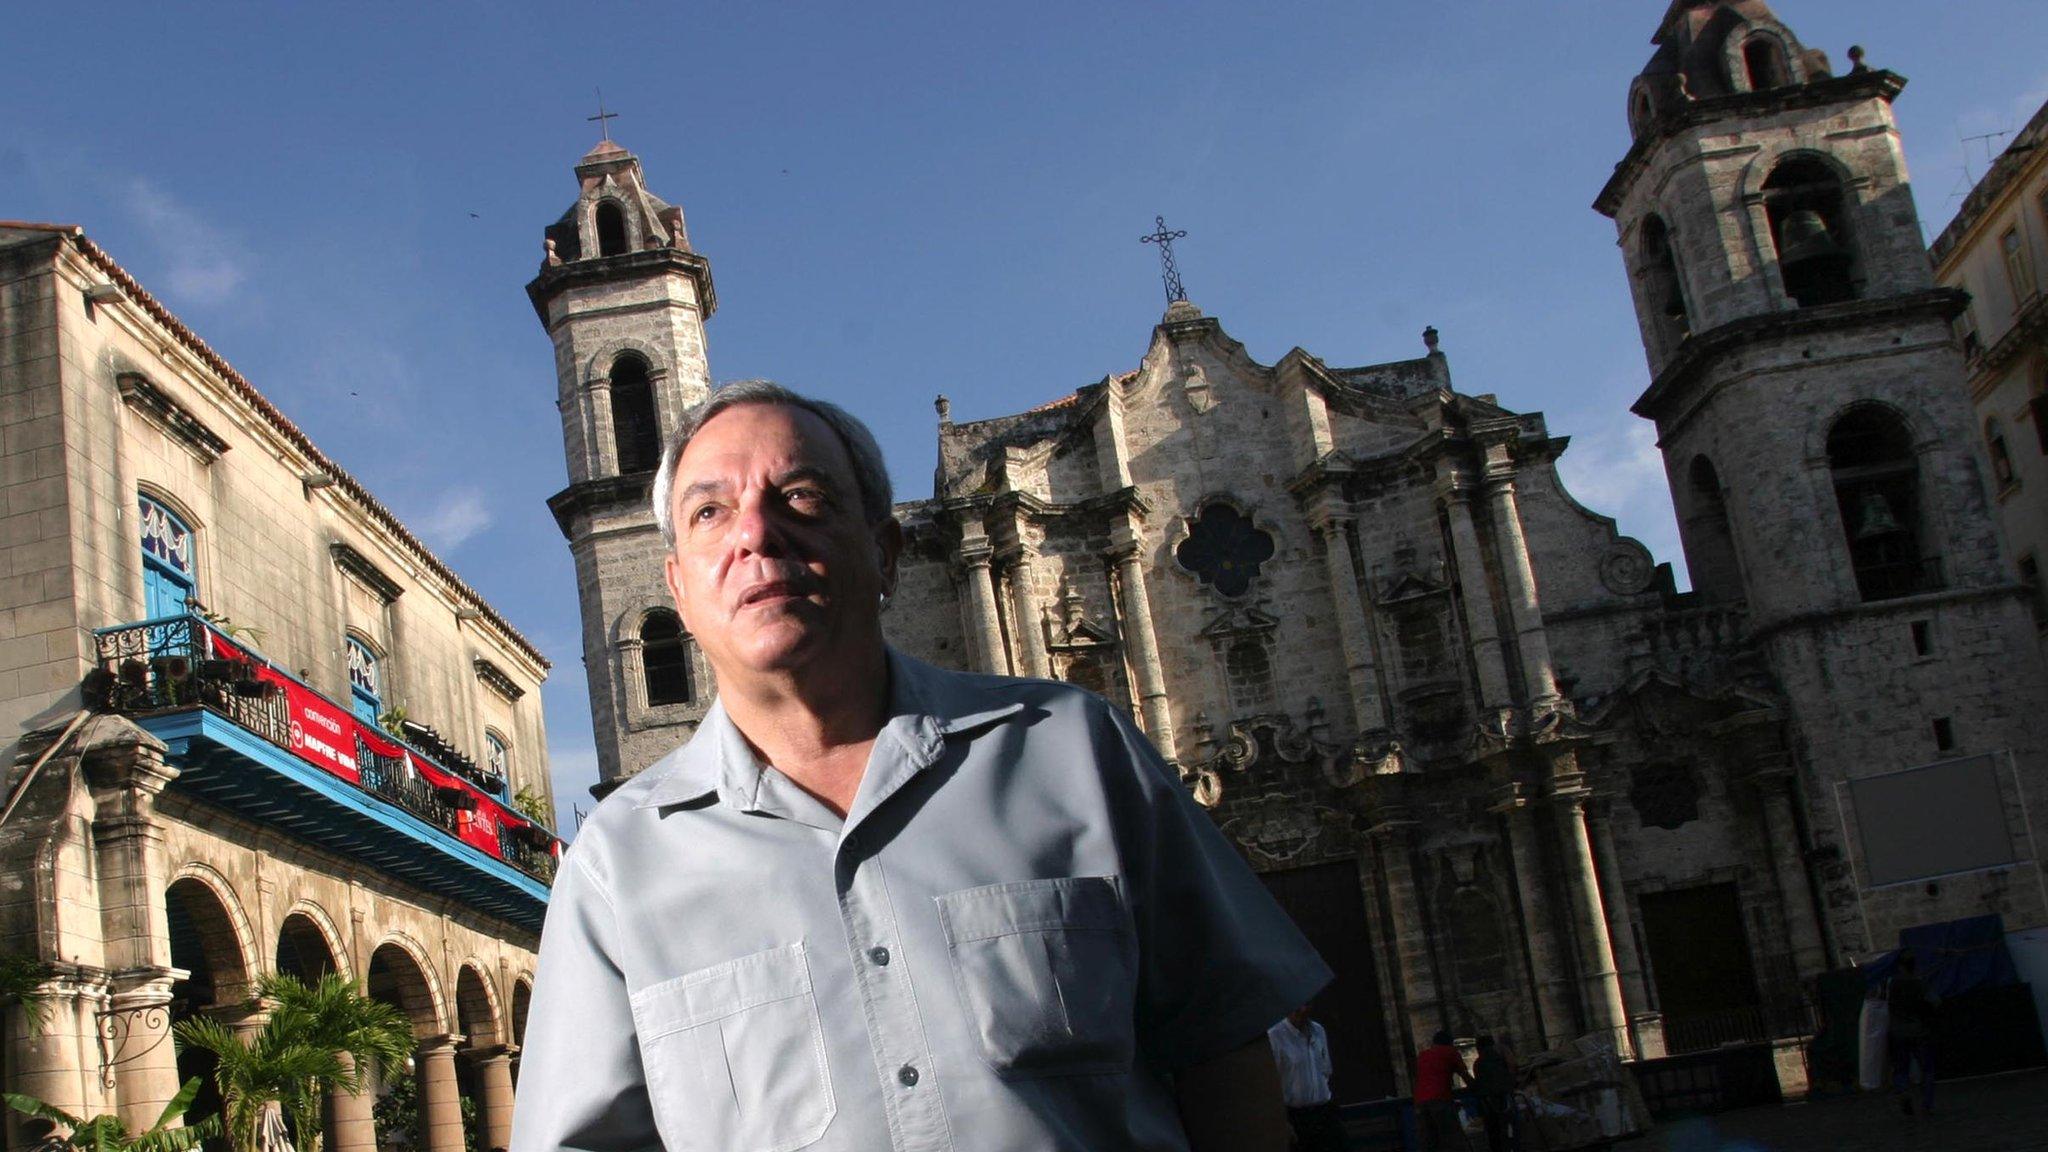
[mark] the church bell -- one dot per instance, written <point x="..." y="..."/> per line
<point x="1805" y="238"/>
<point x="1876" y="517"/>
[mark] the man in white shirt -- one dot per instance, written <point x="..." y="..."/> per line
<point x="1301" y="1051"/>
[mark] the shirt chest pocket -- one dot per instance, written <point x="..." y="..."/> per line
<point x="1047" y="974"/>
<point x="735" y="1055"/>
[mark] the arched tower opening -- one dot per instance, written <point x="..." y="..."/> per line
<point x="1877" y="489"/>
<point x="611" y="229"/>
<point x="636" y="434"/>
<point x="1763" y="64"/>
<point x="1664" y="290"/>
<point x="665" y="659"/>
<point x="1709" y="539"/>
<point x="303" y="951"/>
<point x="1808" y="214"/>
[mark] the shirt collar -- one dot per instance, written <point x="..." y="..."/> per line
<point x="926" y="705"/>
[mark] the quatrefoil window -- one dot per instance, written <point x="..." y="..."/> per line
<point x="1224" y="549"/>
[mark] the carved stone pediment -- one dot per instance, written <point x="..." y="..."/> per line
<point x="1239" y="620"/>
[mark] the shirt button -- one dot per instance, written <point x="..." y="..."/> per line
<point x="907" y="1076"/>
<point x="880" y="956"/>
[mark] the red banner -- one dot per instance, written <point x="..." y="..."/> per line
<point x="325" y="735"/>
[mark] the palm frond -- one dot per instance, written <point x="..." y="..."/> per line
<point x="30" y="1106"/>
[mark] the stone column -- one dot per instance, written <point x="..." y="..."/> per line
<point x="127" y="773"/>
<point x="1546" y="956"/>
<point x="1599" y="984"/>
<point x="1788" y="863"/>
<point x="1352" y="627"/>
<point x="632" y="676"/>
<point x="987" y="629"/>
<point x="1028" y="622"/>
<point x="1628" y="962"/>
<point x="494" y="1111"/>
<point x="59" y="1062"/>
<point x="604" y="452"/>
<point x="1395" y="840"/>
<point x="351" y="1117"/>
<point x="1140" y="642"/>
<point x="440" y="1100"/>
<point x="138" y="1030"/>
<point x="1478" y="597"/>
<point x="1539" y="678"/>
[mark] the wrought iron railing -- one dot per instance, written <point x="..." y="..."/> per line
<point x="169" y="664"/>
<point x="1751" y="1024"/>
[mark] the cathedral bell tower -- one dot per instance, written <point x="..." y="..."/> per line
<point x="1811" y="406"/>
<point x="624" y="299"/>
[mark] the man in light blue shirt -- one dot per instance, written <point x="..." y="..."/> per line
<point x="873" y="904"/>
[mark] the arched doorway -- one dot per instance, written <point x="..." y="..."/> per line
<point x="484" y="1073"/>
<point x="303" y="950"/>
<point x="399" y="978"/>
<point x="209" y="942"/>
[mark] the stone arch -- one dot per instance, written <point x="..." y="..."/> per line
<point x="206" y="919"/>
<point x="309" y="934"/>
<point x="1817" y="434"/>
<point x="1885" y="512"/>
<point x="611" y="226"/>
<point x="476" y="1006"/>
<point x="1642" y="107"/>
<point x="1750" y="46"/>
<point x="401" y="976"/>
<point x="522" y="1002"/>
<point x="201" y="571"/>
<point x="1664" y="298"/>
<point x="1709" y="533"/>
<point x="598" y="364"/>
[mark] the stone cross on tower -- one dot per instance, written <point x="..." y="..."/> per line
<point x="1169" y="271"/>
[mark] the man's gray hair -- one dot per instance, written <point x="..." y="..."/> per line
<point x="877" y="503"/>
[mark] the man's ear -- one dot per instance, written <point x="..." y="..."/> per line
<point x="889" y="546"/>
<point x="672" y="573"/>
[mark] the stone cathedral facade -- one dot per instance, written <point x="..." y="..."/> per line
<point x="1505" y="776"/>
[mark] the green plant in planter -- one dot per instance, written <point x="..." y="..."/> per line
<point x="392" y="721"/>
<point x="222" y="624"/>
<point x="533" y="806"/>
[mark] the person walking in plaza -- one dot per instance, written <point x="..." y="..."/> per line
<point x="1493" y="1077"/>
<point x="1301" y="1050"/>
<point x="874" y="904"/>
<point x="1911" y="1041"/>
<point x="1436" y="1110"/>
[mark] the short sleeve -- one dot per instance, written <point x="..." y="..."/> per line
<point x="1219" y="961"/>
<point x="580" y="1081"/>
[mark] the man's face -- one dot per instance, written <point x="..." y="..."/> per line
<point x="775" y="567"/>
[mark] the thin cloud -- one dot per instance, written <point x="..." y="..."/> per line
<point x="455" y="519"/>
<point x="1615" y="468"/>
<point x="202" y="264"/>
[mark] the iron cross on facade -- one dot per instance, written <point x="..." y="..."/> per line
<point x="603" y="117"/>
<point x="1169" y="271"/>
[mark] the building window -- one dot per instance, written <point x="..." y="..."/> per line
<point x="1250" y="674"/>
<point x="2037" y="592"/>
<point x="498" y="760"/>
<point x="611" y="229"/>
<point x="1224" y="549"/>
<point x="1807" y="212"/>
<point x="664" y="660"/>
<point x="365" y="684"/>
<point x="1877" y="490"/>
<point x="1665" y="794"/>
<point x="2017" y="267"/>
<point x="168" y="579"/>
<point x="1966" y="333"/>
<point x="635" y="432"/>
<point x="2001" y="460"/>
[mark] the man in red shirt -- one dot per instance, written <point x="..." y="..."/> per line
<point x="1436" y="1114"/>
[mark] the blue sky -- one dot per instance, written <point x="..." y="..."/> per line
<point x="898" y="201"/>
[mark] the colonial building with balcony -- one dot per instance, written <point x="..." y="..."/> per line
<point x="250" y="724"/>
<point x="1996" y="249"/>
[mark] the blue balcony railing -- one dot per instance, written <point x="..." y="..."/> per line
<point x="182" y="663"/>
